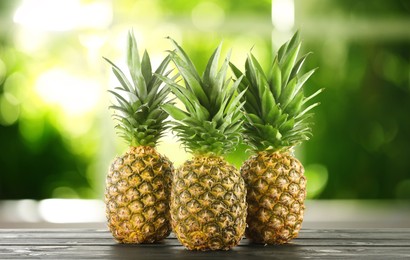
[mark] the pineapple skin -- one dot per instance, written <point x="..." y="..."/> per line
<point x="138" y="187"/>
<point x="208" y="204"/>
<point x="276" y="193"/>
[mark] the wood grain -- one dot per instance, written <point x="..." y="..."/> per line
<point x="98" y="244"/>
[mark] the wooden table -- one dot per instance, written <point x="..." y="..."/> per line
<point x="98" y="244"/>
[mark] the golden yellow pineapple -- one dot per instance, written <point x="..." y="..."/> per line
<point x="138" y="183"/>
<point x="208" y="205"/>
<point x="208" y="197"/>
<point x="276" y="114"/>
<point x="276" y="193"/>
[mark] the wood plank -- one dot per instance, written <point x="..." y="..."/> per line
<point x="152" y="252"/>
<point x="98" y="244"/>
<point x="174" y="242"/>
<point x="376" y="234"/>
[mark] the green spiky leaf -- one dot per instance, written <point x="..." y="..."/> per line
<point x="276" y="109"/>
<point x="211" y="122"/>
<point x="134" y="67"/>
<point x="137" y="110"/>
<point x="175" y="112"/>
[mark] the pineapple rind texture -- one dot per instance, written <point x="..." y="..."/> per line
<point x="276" y="192"/>
<point x="138" y="187"/>
<point x="208" y="198"/>
<point x="208" y="204"/>
<point x="138" y="183"/>
<point x="277" y="116"/>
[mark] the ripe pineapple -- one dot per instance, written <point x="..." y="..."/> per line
<point x="276" y="121"/>
<point x="138" y="182"/>
<point x="208" y="197"/>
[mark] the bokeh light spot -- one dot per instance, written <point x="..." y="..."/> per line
<point x="208" y="16"/>
<point x="63" y="15"/>
<point x="283" y="14"/>
<point x="3" y="71"/>
<point x="9" y="109"/>
<point x="73" y="94"/>
<point x="317" y="176"/>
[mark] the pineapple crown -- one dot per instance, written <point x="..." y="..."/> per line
<point x="276" y="108"/>
<point x="141" y="121"/>
<point x="212" y="119"/>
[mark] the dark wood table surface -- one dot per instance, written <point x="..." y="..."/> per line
<point x="98" y="244"/>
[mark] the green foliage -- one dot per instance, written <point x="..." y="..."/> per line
<point x="140" y="119"/>
<point x="212" y="119"/>
<point x="35" y="171"/>
<point x="362" y="128"/>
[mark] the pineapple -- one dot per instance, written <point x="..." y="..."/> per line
<point x="208" y="197"/>
<point x="276" y="121"/>
<point x="138" y="183"/>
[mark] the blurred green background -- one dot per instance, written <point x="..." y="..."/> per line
<point x="56" y="134"/>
